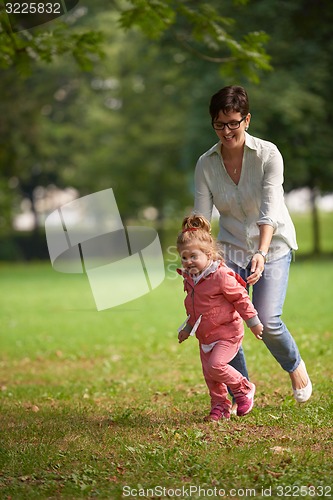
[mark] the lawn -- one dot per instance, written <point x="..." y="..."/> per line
<point x="108" y="405"/>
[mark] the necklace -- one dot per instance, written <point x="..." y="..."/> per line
<point x="230" y="165"/>
<point x="233" y="169"/>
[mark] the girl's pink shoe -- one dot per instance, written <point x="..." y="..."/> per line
<point x="245" y="402"/>
<point x="217" y="413"/>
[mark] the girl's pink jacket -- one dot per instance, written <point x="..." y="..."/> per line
<point x="222" y="300"/>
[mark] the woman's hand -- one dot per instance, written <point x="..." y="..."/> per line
<point x="257" y="331"/>
<point x="183" y="335"/>
<point x="257" y="268"/>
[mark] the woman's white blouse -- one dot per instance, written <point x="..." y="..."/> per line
<point x="257" y="199"/>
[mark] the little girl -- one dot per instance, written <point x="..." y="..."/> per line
<point x="216" y="304"/>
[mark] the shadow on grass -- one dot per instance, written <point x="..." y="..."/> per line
<point x="314" y="257"/>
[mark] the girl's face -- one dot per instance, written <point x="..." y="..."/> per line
<point x="193" y="259"/>
<point x="234" y="138"/>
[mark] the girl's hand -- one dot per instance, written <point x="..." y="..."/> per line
<point x="183" y="335"/>
<point x="257" y="331"/>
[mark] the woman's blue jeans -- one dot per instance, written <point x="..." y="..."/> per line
<point x="268" y="297"/>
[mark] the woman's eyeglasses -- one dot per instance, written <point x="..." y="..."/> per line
<point x="233" y="125"/>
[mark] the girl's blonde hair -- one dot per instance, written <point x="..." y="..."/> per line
<point x="196" y="229"/>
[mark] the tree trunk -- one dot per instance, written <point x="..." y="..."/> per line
<point x="315" y="221"/>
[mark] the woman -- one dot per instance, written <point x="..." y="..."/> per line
<point x="242" y="176"/>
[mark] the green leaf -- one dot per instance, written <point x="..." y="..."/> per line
<point x="153" y="17"/>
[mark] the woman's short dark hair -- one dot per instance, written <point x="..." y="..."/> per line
<point x="228" y="99"/>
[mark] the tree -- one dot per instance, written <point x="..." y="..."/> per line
<point x="196" y="25"/>
<point x="23" y="49"/>
<point x="22" y="55"/>
<point x="40" y="138"/>
<point x="202" y="30"/>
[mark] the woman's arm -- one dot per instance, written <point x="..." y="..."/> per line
<point x="271" y="202"/>
<point x="203" y="197"/>
<point x="258" y="260"/>
<point x="272" y="190"/>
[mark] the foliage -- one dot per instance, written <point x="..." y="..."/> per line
<point x="65" y="115"/>
<point x="201" y="29"/>
<point x="24" y="49"/>
<point x="191" y="23"/>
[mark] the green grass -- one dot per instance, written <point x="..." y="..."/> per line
<point x="92" y="402"/>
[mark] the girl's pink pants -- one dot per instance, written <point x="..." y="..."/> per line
<point x="218" y="374"/>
